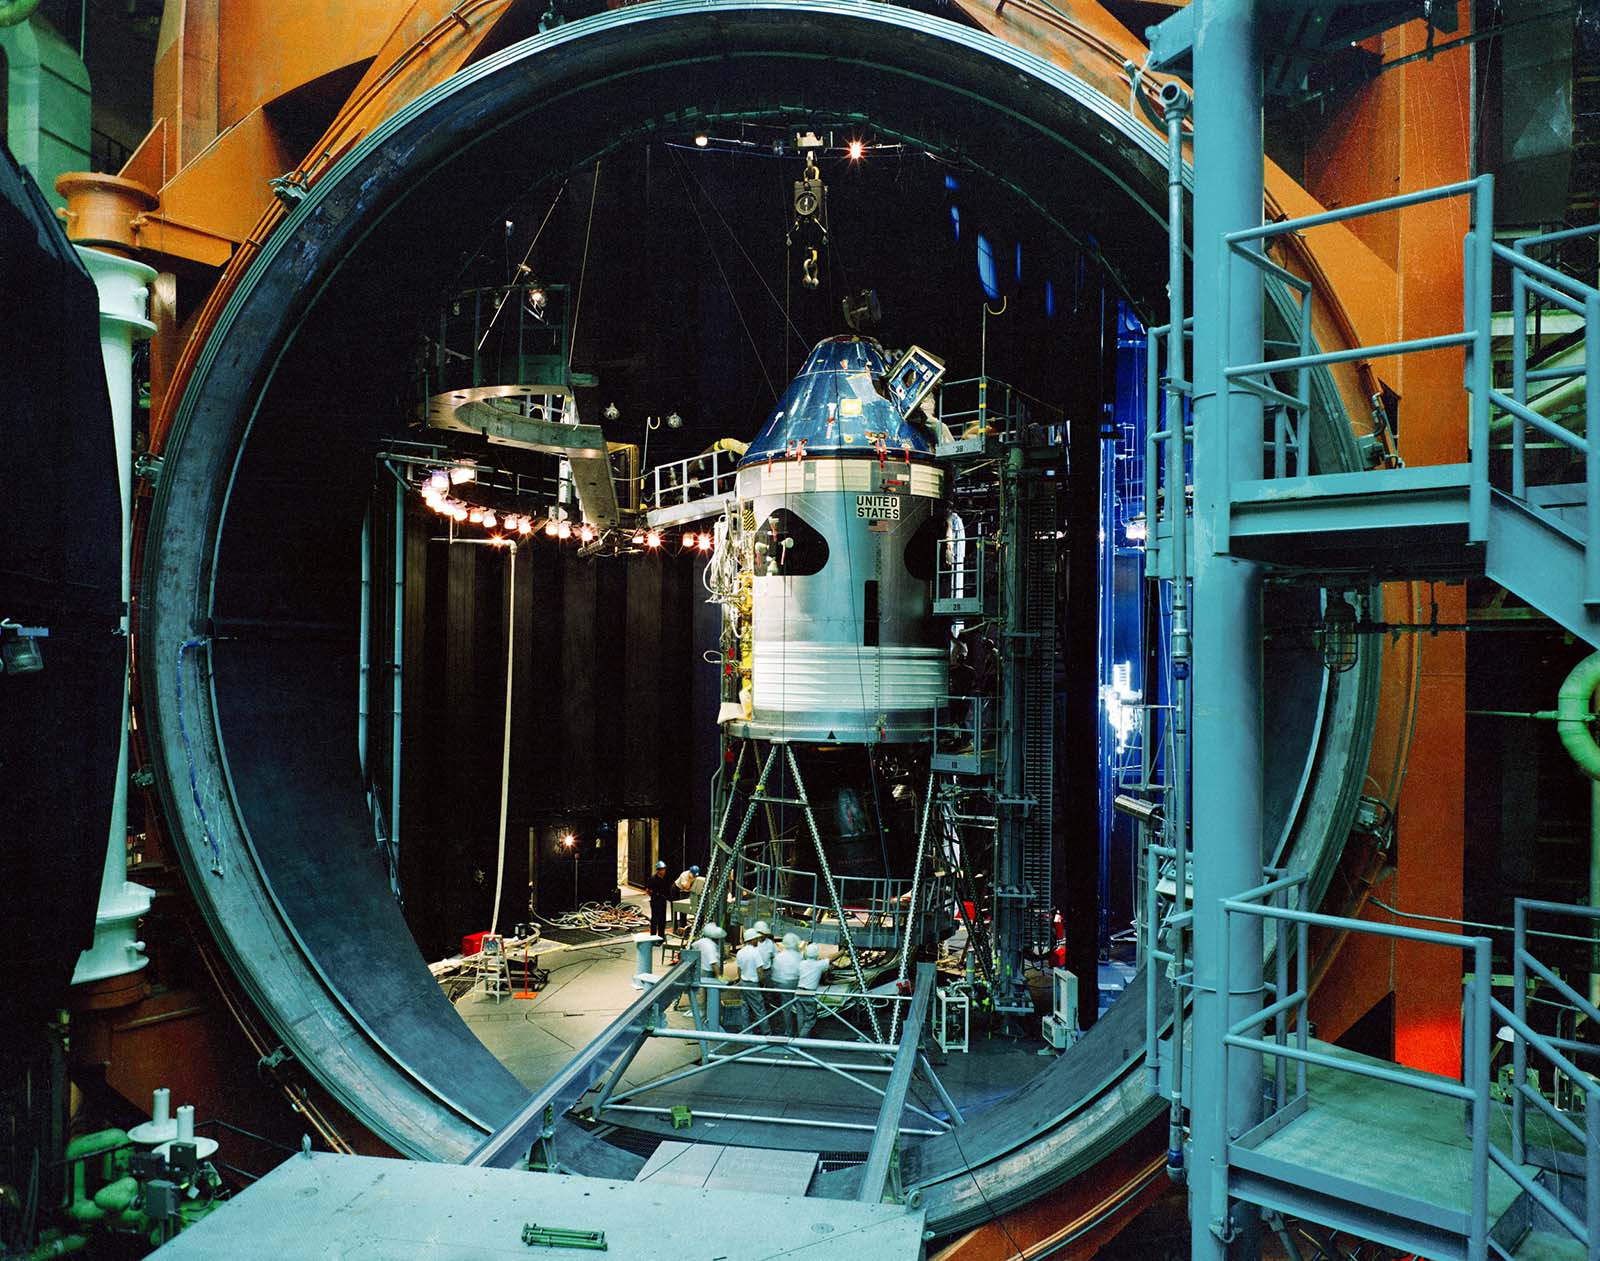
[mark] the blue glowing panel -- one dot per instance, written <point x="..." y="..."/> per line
<point x="986" y="275"/>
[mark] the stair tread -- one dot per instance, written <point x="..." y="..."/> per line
<point x="1544" y="1246"/>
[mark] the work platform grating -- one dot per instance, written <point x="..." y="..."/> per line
<point x="1384" y="1161"/>
<point x="321" y="1205"/>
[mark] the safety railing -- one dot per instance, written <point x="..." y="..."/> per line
<point x="875" y="907"/>
<point x="692" y="478"/>
<point x="966" y="734"/>
<point x="985" y="406"/>
<point x="1250" y="246"/>
<point x="1556" y="1053"/>
<point x="1482" y="253"/>
<point x="1288" y="1009"/>
<point x="960" y="575"/>
<point x="1529" y="277"/>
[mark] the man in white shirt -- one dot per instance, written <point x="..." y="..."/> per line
<point x="812" y="969"/>
<point x="709" y="947"/>
<point x="785" y="976"/>
<point x="749" y="961"/>
<point x="766" y="947"/>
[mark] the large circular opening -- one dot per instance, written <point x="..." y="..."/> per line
<point x="251" y="599"/>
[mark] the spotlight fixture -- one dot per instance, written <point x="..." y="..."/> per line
<point x="857" y="150"/>
<point x="702" y="140"/>
<point x="490" y="520"/>
<point x="638" y="539"/>
<point x="1146" y="812"/>
<point x="611" y="412"/>
<point x="463" y="473"/>
<point x="564" y="530"/>
<point x="474" y="515"/>
<point x="704" y="542"/>
<point x="568" y="840"/>
<point x="537" y="302"/>
<point x="551" y="525"/>
<point x="524" y="526"/>
<point x="674" y="421"/>
<point x="459" y="512"/>
<point x="653" y="538"/>
<point x="439" y="481"/>
<point x="586" y="533"/>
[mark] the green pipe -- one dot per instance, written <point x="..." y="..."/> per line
<point x="100" y="1142"/>
<point x="1574" y="708"/>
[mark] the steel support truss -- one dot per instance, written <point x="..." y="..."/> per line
<point x="721" y="1049"/>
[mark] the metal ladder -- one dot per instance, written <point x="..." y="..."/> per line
<point x="1038" y="753"/>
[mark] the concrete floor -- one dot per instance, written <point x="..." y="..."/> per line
<point x="588" y="987"/>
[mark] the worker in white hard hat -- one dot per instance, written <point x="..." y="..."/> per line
<point x="785" y="975"/>
<point x="812" y="969"/>
<point x="709" y="947"/>
<point x="768" y="949"/>
<point x="749" y="961"/>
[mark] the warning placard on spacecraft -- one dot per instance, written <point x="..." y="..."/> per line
<point x="878" y="507"/>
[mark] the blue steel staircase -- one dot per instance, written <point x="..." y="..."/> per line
<point x="1420" y="1162"/>
<point x="1484" y="517"/>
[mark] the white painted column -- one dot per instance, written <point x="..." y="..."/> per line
<point x="123" y="286"/>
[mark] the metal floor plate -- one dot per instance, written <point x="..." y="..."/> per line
<point x="327" y="1206"/>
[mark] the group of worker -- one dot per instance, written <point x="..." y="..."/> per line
<point x="764" y="964"/>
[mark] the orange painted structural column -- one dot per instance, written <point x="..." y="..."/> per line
<point x="1410" y="130"/>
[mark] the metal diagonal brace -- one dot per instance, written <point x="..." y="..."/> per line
<point x="833" y="890"/>
<point x="875" y="1173"/>
<point x="911" y="908"/>
<point x="507" y="1145"/>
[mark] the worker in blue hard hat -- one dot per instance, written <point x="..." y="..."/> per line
<point x="684" y="886"/>
<point x="659" y="886"/>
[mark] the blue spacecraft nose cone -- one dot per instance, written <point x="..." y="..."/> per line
<point x="840" y="403"/>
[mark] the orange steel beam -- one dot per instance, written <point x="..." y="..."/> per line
<point x="430" y="43"/>
<point x="1408" y="129"/>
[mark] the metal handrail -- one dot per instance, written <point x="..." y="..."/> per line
<point x="1248" y="245"/>
<point x="688" y="480"/>
<point x="1472" y="1088"/>
<point x="1588" y="1231"/>
<point x="1482" y="253"/>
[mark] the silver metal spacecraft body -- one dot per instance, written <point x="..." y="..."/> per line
<point x="839" y="514"/>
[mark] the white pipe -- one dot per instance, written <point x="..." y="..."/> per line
<point x="122" y="285"/>
<point x="505" y="741"/>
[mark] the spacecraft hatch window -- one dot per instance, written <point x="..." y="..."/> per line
<point x="794" y="547"/>
<point x="922" y="549"/>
